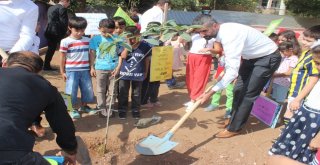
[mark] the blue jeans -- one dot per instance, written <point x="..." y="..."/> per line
<point x="82" y="80"/>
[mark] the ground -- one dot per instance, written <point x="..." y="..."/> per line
<point x="197" y="144"/>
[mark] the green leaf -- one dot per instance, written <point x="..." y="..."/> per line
<point x="127" y="46"/>
<point x="171" y="23"/>
<point x="112" y="51"/>
<point x="152" y="41"/>
<point x="168" y="36"/>
<point x="185" y="36"/>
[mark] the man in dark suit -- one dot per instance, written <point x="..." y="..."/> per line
<point x="56" y="29"/>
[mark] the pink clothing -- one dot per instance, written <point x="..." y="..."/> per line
<point x="178" y="51"/>
<point x="286" y="64"/>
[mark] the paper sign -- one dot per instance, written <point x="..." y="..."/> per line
<point x="266" y="110"/>
<point x="67" y="101"/>
<point x="272" y="26"/>
<point x="93" y="20"/>
<point x="161" y="63"/>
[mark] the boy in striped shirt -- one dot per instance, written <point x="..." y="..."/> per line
<point x="75" y="66"/>
<point x="305" y="75"/>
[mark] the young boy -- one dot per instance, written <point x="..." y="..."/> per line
<point x="75" y="66"/>
<point x="304" y="75"/>
<point x="120" y="25"/>
<point x="104" y="66"/>
<point x="133" y="71"/>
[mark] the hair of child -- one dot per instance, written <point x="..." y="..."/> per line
<point x="119" y="20"/>
<point x="313" y="32"/>
<point x="274" y="36"/>
<point x="316" y="51"/>
<point x="107" y="23"/>
<point x="77" y="22"/>
<point x="135" y="18"/>
<point x="286" y="45"/>
<point x="289" y="35"/>
<point x="133" y="30"/>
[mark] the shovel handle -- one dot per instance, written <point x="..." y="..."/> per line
<point x="185" y="116"/>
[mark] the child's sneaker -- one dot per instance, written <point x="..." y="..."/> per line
<point x="87" y="109"/>
<point x="103" y="113"/>
<point x="210" y="108"/>
<point x="157" y="104"/>
<point x="148" y="105"/>
<point x="227" y="115"/>
<point x="74" y="114"/>
<point x="122" y="115"/>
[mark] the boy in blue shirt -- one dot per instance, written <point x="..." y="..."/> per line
<point x="104" y="66"/>
<point x="133" y="71"/>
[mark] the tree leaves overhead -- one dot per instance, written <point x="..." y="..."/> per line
<point x="304" y="7"/>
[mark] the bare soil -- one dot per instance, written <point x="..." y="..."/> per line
<point x="197" y="144"/>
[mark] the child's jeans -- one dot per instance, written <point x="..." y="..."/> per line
<point x="124" y="86"/>
<point x="229" y="94"/>
<point x="105" y="86"/>
<point x="82" y="80"/>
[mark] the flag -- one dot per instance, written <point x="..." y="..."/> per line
<point x="272" y="26"/>
<point x="125" y="16"/>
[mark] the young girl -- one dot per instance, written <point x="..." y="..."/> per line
<point x="294" y="140"/>
<point x="178" y="51"/>
<point x="199" y="64"/>
<point x="281" y="81"/>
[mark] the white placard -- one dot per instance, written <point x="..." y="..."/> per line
<point x="93" y="20"/>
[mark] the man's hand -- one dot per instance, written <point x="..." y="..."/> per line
<point x="295" y="104"/>
<point x="4" y="62"/>
<point x="205" y="96"/>
<point x="69" y="159"/>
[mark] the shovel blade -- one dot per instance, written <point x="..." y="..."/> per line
<point x="153" y="145"/>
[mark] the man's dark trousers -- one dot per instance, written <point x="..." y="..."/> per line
<point x="253" y="75"/>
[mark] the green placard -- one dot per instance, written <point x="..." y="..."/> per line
<point x="125" y="16"/>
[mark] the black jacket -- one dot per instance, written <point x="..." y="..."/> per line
<point x="23" y="97"/>
<point x="57" y="22"/>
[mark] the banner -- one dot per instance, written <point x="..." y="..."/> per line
<point x="125" y="16"/>
<point x="272" y="26"/>
<point x="161" y="63"/>
<point x="266" y="110"/>
<point x="93" y="20"/>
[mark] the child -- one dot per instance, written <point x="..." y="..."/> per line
<point x="150" y="90"/>
<point x="281" y="81"/>
<point x="133" y="71"/>
<point x="178" y="50"/>
<point x="199" y="64"/>
<point x="120" y="25"/>
<point x="135" y="19"/>
<point x="289" y="35"/>
<point x="304" y="75"/>
<point x="75" y="66"/>
<point x="215" y="102"/>
<point x="304" y="125"/>
<point x="104" y="66"/>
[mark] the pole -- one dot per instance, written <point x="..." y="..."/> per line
<point x="269" y="4"/>
<point x="282" y="10"/>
